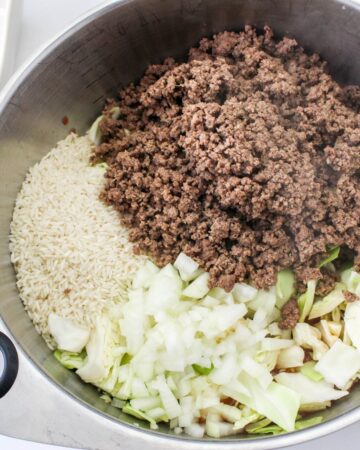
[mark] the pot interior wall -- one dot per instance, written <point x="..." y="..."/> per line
<point x="108" y="50"/>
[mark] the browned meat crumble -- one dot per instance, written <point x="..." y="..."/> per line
<point x="290" y="315"/>
<point x="350" y="297"/>
<point x="246" y="157"/>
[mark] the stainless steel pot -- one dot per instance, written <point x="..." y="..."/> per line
<point x="72" y="77"/>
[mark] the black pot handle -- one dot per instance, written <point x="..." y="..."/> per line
<point x="11" y="364"/>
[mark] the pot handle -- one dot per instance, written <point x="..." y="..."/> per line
<point x="9" y="366"/>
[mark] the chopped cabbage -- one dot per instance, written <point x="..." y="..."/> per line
<point x="332" y="255"/>
<point x="200" y="370"/>
<point x="351" y="279"/>
<point x="313" y="407"/>
<point x="95" y="132"/>
<point x="339" y="364"/>
<point x="285" y="287"/>
<point x="328" y="303"/>
<point x="69" y="360"/>
<point x="99" y="358"/>
<point x="352" y="323"/>
<point x="277" y="403"/>
<point x="310" y="391"/>
<point x="308" y="369"/>
<point x="128" y="409"/>
<point x="257" y="371"/>
<point x="306" y="423"/>
<point x="309" y="337"/>
<point x="270" y="344"/>
<point x="68" y="335"/>
<point x="330" y="331"/>
<point x="306" y="300"/>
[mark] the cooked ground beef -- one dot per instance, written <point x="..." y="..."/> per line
<point x="350" y="297"/>
<point x="290" y="315"/>
<point x="245" y="157"/>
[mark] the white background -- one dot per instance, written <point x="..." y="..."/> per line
<point x="40" y="21"/>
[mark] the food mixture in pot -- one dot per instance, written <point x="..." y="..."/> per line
<point x="196" y="255"/>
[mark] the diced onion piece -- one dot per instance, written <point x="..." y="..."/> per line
<point x="168" y="399"/>
<point x="68" y="335"/>
<point x="339" y="364"/>
<point x="226" y="371"/>
<point x="145" y="275"/>
<point x="186" y="266"/>
<point x="230" y="413"/>
<point x="138" y="389"/>
<point x="195" y="430"/>
<point x="217" y="429"/>
<point x="163" y="293"/>
<point x="198" y="288"/>
<point x="243" y="292"/>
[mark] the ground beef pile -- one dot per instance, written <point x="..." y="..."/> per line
<point x="246" y="157"/>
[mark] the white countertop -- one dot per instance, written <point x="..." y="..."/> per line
<point x="35" y="31"/>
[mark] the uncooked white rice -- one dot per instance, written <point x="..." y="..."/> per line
<point x="71" y="254"/>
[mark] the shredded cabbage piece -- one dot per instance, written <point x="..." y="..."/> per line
<point x="328" y="303"/>
<point x="352" y="323"/>
<point x="128" y="409"/>
<point x="308" y="369"/>
<point x="68" y="335"/>
<point x="70" y="360"/>
<point x="285" y="287"/>
<point x="310" y="391"/>
<point x="332" y="255"/>
<point x="305" y="301"/>
<point x="339" y="364"/>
